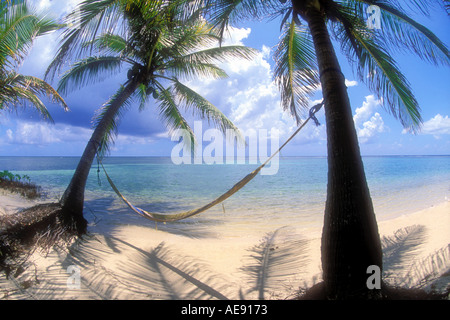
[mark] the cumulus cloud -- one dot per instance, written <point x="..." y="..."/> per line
<point x="351" y="83"/>
<point x="39" y="133"/>
<point x="250" y="97"/>
<point x="368" y="122"/>
<point x="437" y="126"/>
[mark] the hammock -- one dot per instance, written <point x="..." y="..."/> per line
<point x="183" y="215"/>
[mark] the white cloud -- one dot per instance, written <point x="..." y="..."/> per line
<point x="234" y="36"/>
<point x="251" y="99"/>
<point x="42" y="134"/>
<point x="368" y="122"/>
<point x="351" y="83"/>
<point x="371" y="128"/>
<point x="437" y="126"/>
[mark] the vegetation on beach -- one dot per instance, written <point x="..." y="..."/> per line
<point x="20" y="184"/>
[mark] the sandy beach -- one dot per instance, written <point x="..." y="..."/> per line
<point x="132" y="262"/>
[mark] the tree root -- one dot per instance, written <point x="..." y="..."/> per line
<point x="39" y="227"/>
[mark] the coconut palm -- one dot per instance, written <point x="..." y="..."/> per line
<point x="19" y="27"/>
<point x="305" y="57"/>
<point x="159" y="48"/>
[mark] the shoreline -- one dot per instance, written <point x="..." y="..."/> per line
<point x="139" y="262"/>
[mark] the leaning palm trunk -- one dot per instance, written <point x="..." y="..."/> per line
<point x="72" y="201"/>
<point x="350" y="239"/>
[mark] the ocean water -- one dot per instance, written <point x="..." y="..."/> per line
<point x="295" y="196"/>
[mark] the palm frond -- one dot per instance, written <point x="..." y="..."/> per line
<point x="40" y="87"/>
<point x="142" y="94"/>
<point x="404" y="33"/>
<point x="296" y="70"/>
<point x="222" y="13"/>
<point x="19" y="28"/>
<point x="108" y="43"/>
<point x="111" y="130"/>
<point x="202" y="107"/>
<point x="378" y="69"/>
<point x="180" y="68"/>
<point x="17" y="89"/>
<point x="189" y="37"/>
<point x="14" y="94"/>
<point x="171" y="116"/>
<point x="219" y="54"/>
<point x="89" y="19"/>
<point x="89" y="71"/>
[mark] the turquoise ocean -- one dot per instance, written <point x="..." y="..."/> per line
<point x="294" y="196"/>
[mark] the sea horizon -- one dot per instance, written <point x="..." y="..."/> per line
<point x="295" y="195"/>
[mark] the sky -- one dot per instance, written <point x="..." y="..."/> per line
<point x="248" y="97"/>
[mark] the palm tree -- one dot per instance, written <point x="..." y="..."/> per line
<point x="149" y="39"/>
<point x="305" y="58"/>
<point x="19" y="27"/>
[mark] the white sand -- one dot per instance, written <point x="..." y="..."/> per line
<point x="142" y="263"/>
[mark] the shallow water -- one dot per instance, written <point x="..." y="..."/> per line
<point x="294" y="196"/>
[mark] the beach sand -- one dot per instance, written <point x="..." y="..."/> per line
<point x="132" y="262"/>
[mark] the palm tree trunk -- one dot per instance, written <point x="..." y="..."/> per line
<point x="72" y="201"/>
<point x="350" y="239"/>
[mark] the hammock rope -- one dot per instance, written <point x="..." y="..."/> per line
<point x="183" y="215"/>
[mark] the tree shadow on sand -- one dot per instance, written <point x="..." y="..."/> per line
<point x="274" y="266"/>
<point x="403" y="270"/>
<point x="164" y="273"/>
<point x="105" y="214"/>
<point x="111" y="268"/>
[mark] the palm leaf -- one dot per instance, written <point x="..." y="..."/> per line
<point x="112" y="127"/>
<point x="15" y="94"/>
<point x="202" y="107"/>
<point x="40" y="87"/>
<point x="192" y="36"/>
<point x="171" y="116"/>
<point x="90" y="19"/>
<point x="19" y="28"/>
<point x="17" y="89"/>
<point x="296" y="71"/>
<point x="180" y="68"/>
<point x="108" y="43"/>
<point x="219" y="54"/>
<point x="89" y="71"/>
<point x="378" y="69"/>
<point x="222" y="13"/>
<point x="405" y="33"/>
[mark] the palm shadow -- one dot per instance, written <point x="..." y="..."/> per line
<point x="274" y="265"/>
<point x="403" y="269"/>
<point x="115" y="269"/>
<point x="105" y="216"/>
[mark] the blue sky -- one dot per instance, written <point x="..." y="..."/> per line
<point x="248" y="97"/>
